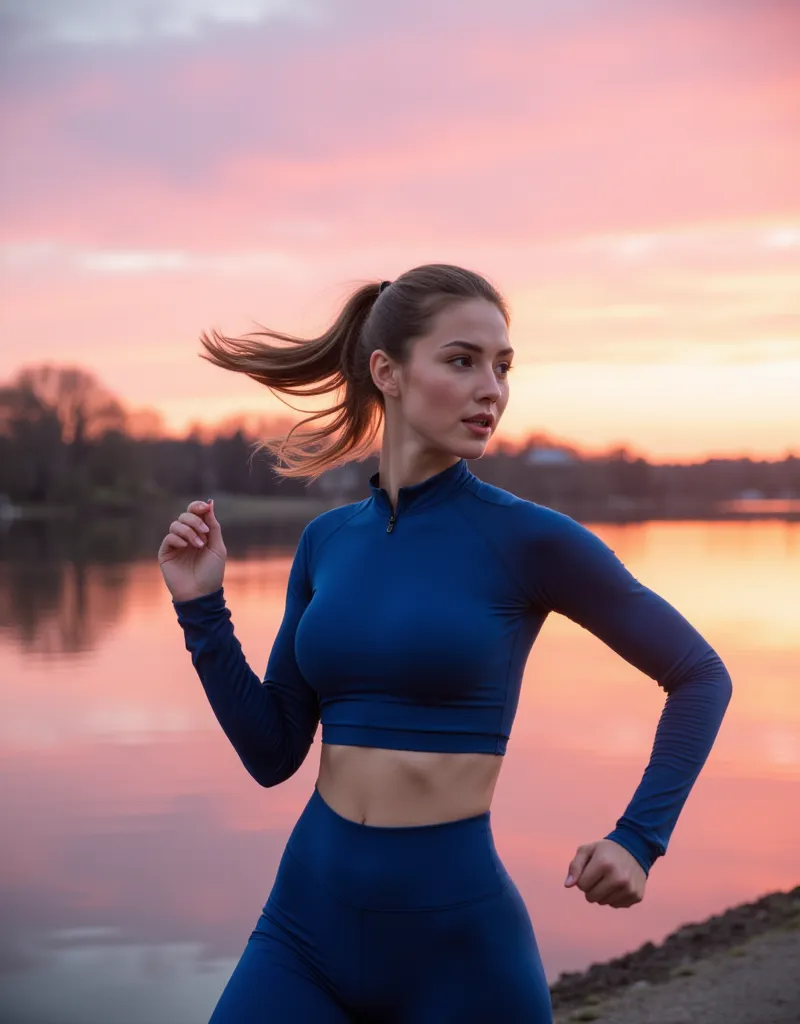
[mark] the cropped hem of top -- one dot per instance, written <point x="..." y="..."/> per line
<point x="410" y="629"/>
<point x="441" y="742"/>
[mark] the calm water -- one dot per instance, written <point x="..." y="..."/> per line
<point x="137" y="852"/>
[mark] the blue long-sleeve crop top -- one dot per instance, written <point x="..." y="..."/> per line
<point x="410" y="629"/>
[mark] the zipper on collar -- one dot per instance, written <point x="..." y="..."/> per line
<point x="392" y="521"/>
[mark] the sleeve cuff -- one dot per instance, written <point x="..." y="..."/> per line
<point x="199" y="608"/>
<point x="636" y="845"/>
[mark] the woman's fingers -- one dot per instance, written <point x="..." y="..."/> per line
<point x="211" y="517"/>
<point x="190" y="519"/>
<point x="602" y="890"/>
<point x="206" y="510"/>
<point x="170" y="546"/>
<point x="203" y="512"/>
<point x="198" y="528"/>
<point x="214" y="536"/>
<point x="613" y="896"/>
<point x="183" y="530"/>
<point x="172" y="540"/>
<point x="193" y="573"/>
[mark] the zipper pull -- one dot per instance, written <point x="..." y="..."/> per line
<point x="392" y="521"/>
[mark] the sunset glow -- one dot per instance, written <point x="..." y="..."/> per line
<point x="629" y="176"/>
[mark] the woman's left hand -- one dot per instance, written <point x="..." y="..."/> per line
<point x="607" y="874"/>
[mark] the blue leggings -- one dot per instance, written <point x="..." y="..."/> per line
<point x="389" y="925"/>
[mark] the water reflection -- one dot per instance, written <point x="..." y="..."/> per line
<point x="60" y="608"/>
<point x="138" y="852"/>
<point x="63" y="583"/>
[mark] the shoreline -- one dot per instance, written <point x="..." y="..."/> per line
<point x="695" y="973"/>
<point x="253" y="509"/>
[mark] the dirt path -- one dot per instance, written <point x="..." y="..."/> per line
<point x="757" y="982"/>
<point x="740" y="967"/>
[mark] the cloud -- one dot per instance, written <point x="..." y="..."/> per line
<point x="726" y="244"/>
<point x="54" y="257"/>
<point x="709" y="240"/>
<point x="496" y="123"/>
<point x="100" y="23"/>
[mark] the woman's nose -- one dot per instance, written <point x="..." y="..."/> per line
<point x="490" y="387"/>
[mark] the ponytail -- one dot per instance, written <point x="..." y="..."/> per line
<point x="338" y="361"/>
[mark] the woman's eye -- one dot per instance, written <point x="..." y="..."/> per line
<point x="503" y="368"/>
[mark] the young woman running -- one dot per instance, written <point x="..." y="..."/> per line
<point x="409" y="618"/>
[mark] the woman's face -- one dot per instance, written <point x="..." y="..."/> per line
<point x="456" y="375"/>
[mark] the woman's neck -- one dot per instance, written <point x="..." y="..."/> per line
<point x="403" y="465"/>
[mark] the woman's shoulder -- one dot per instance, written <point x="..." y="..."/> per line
<point x="531" y="519"/>
<point x="323" y="526"/>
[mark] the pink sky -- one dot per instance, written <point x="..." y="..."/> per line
<point x="627" y="173"/>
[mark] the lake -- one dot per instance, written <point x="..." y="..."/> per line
<point x="137" y="852"/>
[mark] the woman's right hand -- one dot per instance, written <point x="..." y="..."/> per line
<point x="192" y="555"/>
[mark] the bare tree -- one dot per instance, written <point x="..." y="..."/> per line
<point x="84" y="408"/>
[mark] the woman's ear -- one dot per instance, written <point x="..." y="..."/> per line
<point x="384" y="373"/>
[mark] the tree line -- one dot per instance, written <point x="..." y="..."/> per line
<point x="66" y="439"/>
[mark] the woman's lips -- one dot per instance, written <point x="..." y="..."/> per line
<point x="477" y="429"/>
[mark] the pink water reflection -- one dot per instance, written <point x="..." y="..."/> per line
<point x="126" y="809"/>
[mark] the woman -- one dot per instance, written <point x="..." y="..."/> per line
<point x="409" y="618"/>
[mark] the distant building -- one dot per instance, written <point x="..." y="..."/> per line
<point x="549" y="457"/>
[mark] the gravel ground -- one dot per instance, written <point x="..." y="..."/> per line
<point x="755" y="983"/>
<point x="740" y="967"/>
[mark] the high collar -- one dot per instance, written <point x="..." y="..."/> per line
<point x="422" y="495"/>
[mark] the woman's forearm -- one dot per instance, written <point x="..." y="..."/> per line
<point x="686" y="731"/>
<point x="271" y="724"/>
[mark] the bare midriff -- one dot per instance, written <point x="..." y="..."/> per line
<point x="374" y="786"/>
